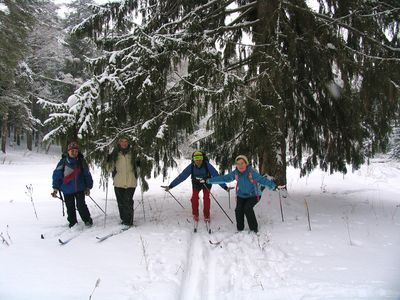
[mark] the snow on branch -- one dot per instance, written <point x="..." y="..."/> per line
<point x="55" y="132"/>
<point x="344" y="25"/>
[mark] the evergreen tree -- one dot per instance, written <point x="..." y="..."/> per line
<point x="307" y="80"/>
<point x="72" y="65"/>
<point x="313" y="84"/>
<point x="129" y="93"/>
<point x="45" y="61"/>
<point x="15" y="22"/>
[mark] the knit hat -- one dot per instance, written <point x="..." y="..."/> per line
<point x="242" y="157"/>
<point x="197" y="155"/>
<point x="123" y="137"/>
<point x="73" y="145"/>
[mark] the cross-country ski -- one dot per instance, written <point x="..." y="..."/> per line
<point x="113" y="233"/>
<point x="64" y="241"/>
<point x="72" y="233"/>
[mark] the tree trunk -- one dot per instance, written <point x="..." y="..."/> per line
<point x="4" y="132"/>
<point x="272" y="151"/>
<point x="36" y="136"/>
<point x="29" y="139"/>
<point x="17" y="135"/>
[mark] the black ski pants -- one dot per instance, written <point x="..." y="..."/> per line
<point x="125" y="204"/>
<point x="83" y="210"/>
<point x="244" y="207"/>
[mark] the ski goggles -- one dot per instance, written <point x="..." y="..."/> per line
<point x="198" y="157"/>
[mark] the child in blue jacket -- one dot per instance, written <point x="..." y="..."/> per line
<point x="73" y="178"/>
<point x="247" y="191"/>
<point x="199" y="169"/>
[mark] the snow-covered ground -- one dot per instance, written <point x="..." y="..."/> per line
<point x="352" y="251"/>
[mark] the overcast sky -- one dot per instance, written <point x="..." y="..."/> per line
<point x="62" y="11"/>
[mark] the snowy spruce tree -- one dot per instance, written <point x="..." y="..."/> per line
<point x="72" y="66"/>
<point x="44" y="65"/>
<point x="36" y="73"/>
<point x="16" y="20"/>
<point x="130" y="93"/>
<point x="280" y="78"/>
<point x="312" y="88"/>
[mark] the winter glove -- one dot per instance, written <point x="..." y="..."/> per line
<point x="166" y="187"/>
<point x="87" y="192"/>
<point x="282" y="189"/>
<point x="54" y="193"/>
<point x="201" y="180"/>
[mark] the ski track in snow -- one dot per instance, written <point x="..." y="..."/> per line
<point x="351" y="252"/>
<point x="195" y="279"/>
<point x="250" y="260"/>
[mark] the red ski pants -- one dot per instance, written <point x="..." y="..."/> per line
<point x="206" y="203"/>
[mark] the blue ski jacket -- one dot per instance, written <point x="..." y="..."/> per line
<point x="247" y="186"/>
<point x="72" y="175"/>
<point x="205" y="171"/>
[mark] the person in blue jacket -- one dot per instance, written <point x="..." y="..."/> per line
<point x="247" y="191"/>
<point x="200" y="170"/>
<point x="72" y="177"/>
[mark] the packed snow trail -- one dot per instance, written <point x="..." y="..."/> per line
<point x="239" y="263"/>
<point x="195" y="276"/>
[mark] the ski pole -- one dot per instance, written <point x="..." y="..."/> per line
<point x="141" y="193"/>
<point x="62" y="203"/>
<point x="144" y="211"/>
<point x="96" y="204"/>
<point x="229" y="197"/>
<point x="164" y="187"/>
<point x="217" y="202"/>
<point x="280" y="204"/>
<point x="105" y="209"/>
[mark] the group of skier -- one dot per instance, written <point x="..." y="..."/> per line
<point x="73" y="178"/>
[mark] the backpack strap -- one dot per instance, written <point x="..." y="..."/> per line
<point x="251" y="179"/>
<point x="237" y="181"/>
<point x="208" y="174"/>
<point x="250" y="176"/>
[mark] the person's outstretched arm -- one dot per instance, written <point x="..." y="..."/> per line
<point x="263" y="180"/>
<point x="181" y="177"/>
<point x="214" y="173"/>
<point x="222" y="179"/>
